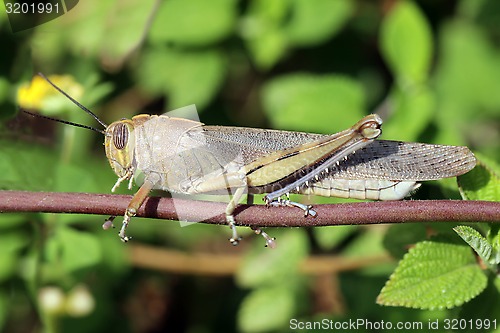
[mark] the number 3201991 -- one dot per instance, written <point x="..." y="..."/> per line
<point x="31" y="8"/>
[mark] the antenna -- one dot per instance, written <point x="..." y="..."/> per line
<point x="76" y="103"/>
<point x="63" y="121"/>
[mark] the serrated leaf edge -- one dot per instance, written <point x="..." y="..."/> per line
<point x="404" y="303"/>
<point x="478" y="243"/>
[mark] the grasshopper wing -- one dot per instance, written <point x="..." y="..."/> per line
<point x="395" y="160"/>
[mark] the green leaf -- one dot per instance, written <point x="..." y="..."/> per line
<point x="329" y="237"/>
<point x="10" y="245"/>
<point x="79" y="249"/>
<point x="125" y="29"/>
<point x="115" y="256"/>
<point x="73" y="178"/>
<point x="265" y="267"/>
<point x="187" y="77"/>
<point x="5" y="89"/>
<point x="413" y="110"/>
<point x="493" y="237"/>
<point x="269" y="12"/>
<point x="11" y="220"/>
<point x="193" y="22"/>
<point x="369" y="244"/>
<point x="95" y="90"/>
<point x="266" y="309"/>
<point x="476" y="308"/>
<point x="313" y="22"/>
<point x="308" y="102"/>
<point x="3" y="18"/>
<point x="482" y="182"/>
<point x="17" y="166"/>
<point x="464" y="90"/>
<point x="270" y="27"/>
<point x="83" y="31"/>
<point x="4" y="308"/>
<point x="480" y="244"/>
<point x="261" y="28"/>
<point x="399" y="237"/>
<point x="406" y="43"/>
<point x="268" y="48"/>
<point x="434" y="276"/>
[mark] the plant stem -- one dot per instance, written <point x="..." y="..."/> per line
<point x="255" y="215"/>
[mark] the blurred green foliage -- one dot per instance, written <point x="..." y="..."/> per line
<point x="430" y="69"/>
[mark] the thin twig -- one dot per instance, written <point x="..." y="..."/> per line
<point x="255" y="215"/>
<point x="196" y="263"/>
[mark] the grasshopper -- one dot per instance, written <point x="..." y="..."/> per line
<point x="185" y="156"/>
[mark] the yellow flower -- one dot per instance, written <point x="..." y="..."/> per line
<point x="39" y="94"/>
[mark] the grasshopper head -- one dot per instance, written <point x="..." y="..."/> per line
<point x="119" y="144"/>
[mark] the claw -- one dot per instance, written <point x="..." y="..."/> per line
<point x="123" y="236"/>
<point x="235" y="239"/>
<point x="286" y="202"/>
<point x="108" y="224"/>
<point x="310" y="211"/>
<point x="270" y="241"/>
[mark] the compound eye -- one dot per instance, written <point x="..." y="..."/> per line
<point x="120" y="136"/>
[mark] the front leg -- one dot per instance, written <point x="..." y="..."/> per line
<point x="136" y="202"/>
